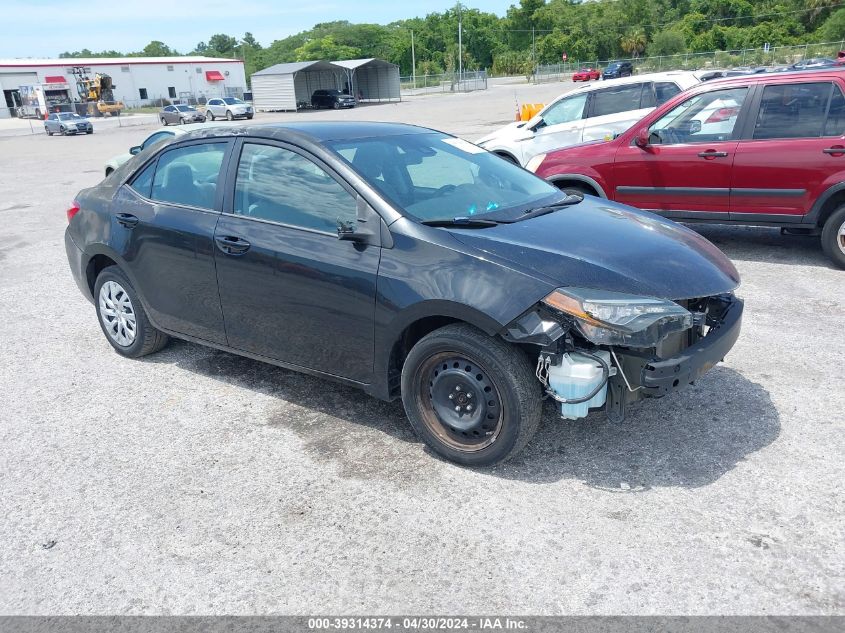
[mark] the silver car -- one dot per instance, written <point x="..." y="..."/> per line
<point x="67" y="123"/>
<point x="228" y="107"/>
<point x="180" y="114"/>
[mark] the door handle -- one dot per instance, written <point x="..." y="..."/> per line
<point x="232" y="245"/>
<point x="127" y="219"/>
<point x="836" y="151"/>
<point x="712" y="153"/>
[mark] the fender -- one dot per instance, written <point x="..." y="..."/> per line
<point x="814" y="216"/>
<point x="580" y="178"/>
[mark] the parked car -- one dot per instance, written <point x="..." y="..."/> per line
<point x="591" y="112"/>
<point x="765" y="150"/>
<point x="332" y="99"/>
<point x="615" y="70"/>
<point x="586" y="74"/>
<point x="65" y="123"/>
<point x="160" y="135"/>
<point x="407" y="263"/>
<point x="813" y="63"/>
<point x="229" y="108"/>
<point x="180" y="114"/>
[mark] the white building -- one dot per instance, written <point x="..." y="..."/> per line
<point x="138" y="80"/>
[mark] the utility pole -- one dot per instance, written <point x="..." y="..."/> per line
<point x="413" y="61"/>
<point x="533" y="48"/>
<point x="460" y="48"/>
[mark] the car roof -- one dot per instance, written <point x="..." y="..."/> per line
<point x="686" y="78"/>
<point x="314" y="131"/>
<point x="747" y="80"/>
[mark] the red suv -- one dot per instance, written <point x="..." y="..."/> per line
<point x="767" y="150"/>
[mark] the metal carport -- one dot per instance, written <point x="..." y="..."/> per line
<point x="283" y="86"/>
<point x="371" y="79"/>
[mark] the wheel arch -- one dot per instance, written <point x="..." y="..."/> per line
<point x="562" y="180"/>
<point x="828" y="202"/>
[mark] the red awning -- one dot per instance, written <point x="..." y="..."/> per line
<point x="55" y="79"/>
<point x="214" y="75"/>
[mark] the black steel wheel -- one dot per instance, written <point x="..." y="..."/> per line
<point x="471" y="397"/>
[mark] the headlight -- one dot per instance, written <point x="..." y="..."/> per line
<point x="534" y="164"/>
<point x="614" y="318"/>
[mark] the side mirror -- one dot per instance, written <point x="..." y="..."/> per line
<point x="537" y="125"/>
<point x="368" y="229"/>
<point x="694" y="126"/>
<point x="641" y="138"/>
<point x="135" y="150"/>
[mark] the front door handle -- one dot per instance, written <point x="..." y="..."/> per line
<point x="232" y="245"/>
<point x="712" y="153"/>
<point x="127" y="219"/>
<point x="836" y="151"/>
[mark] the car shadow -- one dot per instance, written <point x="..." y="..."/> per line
<point x="765" y="244"/>
<point x="688" y="439"/>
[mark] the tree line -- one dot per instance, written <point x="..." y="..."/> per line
<point x="538" y="32"/>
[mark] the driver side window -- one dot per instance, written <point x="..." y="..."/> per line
<point x="705" y="118"/>
<point x="566" y="110"/>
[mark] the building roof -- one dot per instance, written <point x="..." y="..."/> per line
<point x="114" y="61"/>
<point x="352" y="64"/>
<point x="295" y="67"/>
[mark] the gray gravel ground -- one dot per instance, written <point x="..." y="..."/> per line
<point x="195" y="481"/>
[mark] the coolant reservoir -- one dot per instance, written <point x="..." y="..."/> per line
<point x="575" y="377"/>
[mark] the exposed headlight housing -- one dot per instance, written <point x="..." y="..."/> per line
<point x="614" y="318"/>
<point x="534" y="164"/>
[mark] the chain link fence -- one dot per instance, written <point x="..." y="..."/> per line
<point x="754" y="57"/>
<point x="445" y="82"/>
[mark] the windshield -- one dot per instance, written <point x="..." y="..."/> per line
<point x="438" y="177"/>
<point x="231" y="100"/>
<point x="68" y="115"/>
<point x="184" y="108"/>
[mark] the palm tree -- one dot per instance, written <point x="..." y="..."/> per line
<point x="634" y="42"/>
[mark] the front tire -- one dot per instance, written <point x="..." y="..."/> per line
<point x="833" y="237"/>
<point x="229" y="115"/>
<point x="472" y="398"/>
<point x="122" y="317"/>
<point x="164" y="121"/>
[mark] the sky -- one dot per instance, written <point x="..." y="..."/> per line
<point x="43" y="28"/>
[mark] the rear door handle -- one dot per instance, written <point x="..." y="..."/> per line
<point x="836" y="151"/>
<point x="128" y="220"/>
<point x="711" y="153"/>
<point x="232" y="245"/>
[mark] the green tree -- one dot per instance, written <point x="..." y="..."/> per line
<point x="669" y="42"/>
<point x="833" y="29"/>
<point x="634" y="42"/>
<point x="157" y="49"/>
<point x="325" y="48"/>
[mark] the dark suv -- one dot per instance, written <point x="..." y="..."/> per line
<point x="766" y="150"/>
<point x="615" y="70"/>
<point x="332" y="99"/>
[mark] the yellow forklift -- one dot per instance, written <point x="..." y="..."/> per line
<point x="96" y="95"/>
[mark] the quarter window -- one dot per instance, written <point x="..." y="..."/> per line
<point x="616" y="99"/>
<point x="792" y="111"/>
<point x="566" y="110"/>
<point x="189" y="175"/>
<point x="282" y="186"/>
<point x="143" y="182"/>
<point x="665" y="90"/>
<point x="704" y="118"/>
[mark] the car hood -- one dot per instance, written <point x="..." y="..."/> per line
<point x="600" y="244"/>
<point x="516" y="131"/>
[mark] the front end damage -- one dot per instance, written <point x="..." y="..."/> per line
<point x="600" y="349"/>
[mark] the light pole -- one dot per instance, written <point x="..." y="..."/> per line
<point x="460" y="48"/>
<point x="413" y="61"/>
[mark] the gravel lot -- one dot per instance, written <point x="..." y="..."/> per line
<point x="198" y="482"/>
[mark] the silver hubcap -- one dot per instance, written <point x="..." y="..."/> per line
<point x="117" y="314"/>
<point x="840" y="237"/>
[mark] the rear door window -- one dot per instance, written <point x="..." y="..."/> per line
<point x="616" y="99"/>
<point x="835" y="124"/>
<point x="189" y="175"/>
<point x="793" y="110"/>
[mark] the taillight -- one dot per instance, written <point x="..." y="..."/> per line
<point x="74" y="209"/>
<point x="722" y="114"/>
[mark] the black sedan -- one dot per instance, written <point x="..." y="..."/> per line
<point x="180" y="114"/>
<point x="332" y="99"/>
<point x="408" y="263"/>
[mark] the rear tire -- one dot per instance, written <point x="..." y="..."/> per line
<point x="122" y="317"/>
<point x="209" y="115"/>
<point x="833" y="237"/>
<point x="164" y="121"/>
<point x="491" y="384"/>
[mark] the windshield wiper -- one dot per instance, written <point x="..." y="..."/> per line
<point x="462" y="222"/>
<point x="568" y="201"/>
